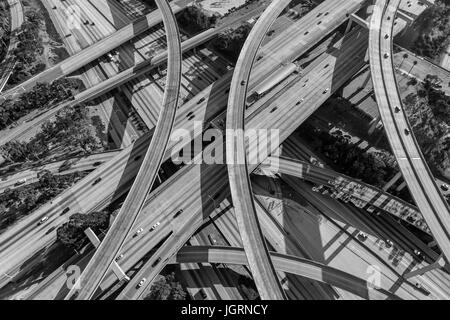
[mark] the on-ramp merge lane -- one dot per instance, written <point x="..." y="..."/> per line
<point x="263" y="271"/>
<point x="412" y="164"/>
<point x="105" y="254"/>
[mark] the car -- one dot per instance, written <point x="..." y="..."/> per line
<point x="444" y="187"/>
<point x="386" y="55"/>
<point x="389" y="243"/>
<point x="203" y="294"/>
<point x="119" y="257"/>
<point x="178" y="213"/>
<point x="371" y="209"/>
<point x="137" y="158"/>
<point x="406" y="131"/>
<point x="154" y="264"/>
<point x="326" y="90"/>
<point x="271" y="32"/>
<point x="65" y="211"/>
<point x="138" y="231"/>
<point x="243" y="83"/>
<point x="417" y="252"/>
<point x="211" y="238"/>
<point x="21" y="182"/>
<point x="44" y="219"/>
<point x="362" y="236"/>
<point x="396" y="109"/>
<point x="201" y="100"/>
<point x="97" y="181"/>
<point x="155" y="225"/>
<point x="96" y="164"/>
<point x="141" y="283"/>
<point x="418" y="285"/>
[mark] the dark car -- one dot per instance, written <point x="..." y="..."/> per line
<point x="156" y="262"/>
<point x="65" y="211"/>
<point x="178" y="213"/>
<point x="97" y="181"/>
<point x="96" y="164"/>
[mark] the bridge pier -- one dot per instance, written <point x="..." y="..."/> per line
<point x="120" y="274"/>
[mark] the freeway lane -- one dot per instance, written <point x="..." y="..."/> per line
<point x="105" y="254"/>
<point x="262" y="269"/>
<point x="98" y="49"/>
<point x="270" y="61"/>
<point x="412" y="164"/>
<point x="23" y="240"/>
<point x="316" y="78"/>
<point x="84" y="163"/>
<point x="286" y="263"/>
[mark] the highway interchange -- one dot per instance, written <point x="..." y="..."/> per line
<point x="196" y="189"/>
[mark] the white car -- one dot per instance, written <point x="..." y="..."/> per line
<point x="141" y="283"/>
<point x="155" y="225"/>
<point x="43" y="220"/>
<point x="119" y="257"/>
<point x="139" y="231"/>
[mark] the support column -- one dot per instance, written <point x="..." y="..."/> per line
<point x="120" y="274"/>
<point x="392" y="181"/>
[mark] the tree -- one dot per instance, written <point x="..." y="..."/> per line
<point x="72" y="235"/>
<point x="167" y="289"/>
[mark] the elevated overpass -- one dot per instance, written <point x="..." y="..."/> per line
<point x="106" y="253"/>
<point x="368" y="195"/>
<point x="97" y="50"/>
<point x="263" y="271"/>
<point x="333" y="70"/>
<point x="406" y="150"/>
<point x="286" y="263"/>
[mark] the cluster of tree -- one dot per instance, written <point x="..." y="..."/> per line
<point x="16" y="203"/>
<point x="28" y="49"/>
<point x="71" y="234"/>
<point x="375" y="168"/>
<point x="435" y="36"/>
<point x="70" y="132"/>
<point x="247" y="288"/>
<point x="194" y="19"/>
<point x="231" y="41"/>
<point x="428" y="112"/>
<point x="5" y="30"/>
<point x="168" y="288"/>
<point x="40" y="97"/>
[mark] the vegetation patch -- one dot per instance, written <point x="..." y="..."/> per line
<point x="42" y="96"/>
<point x="230" y="42"/>
<point x="17" y="203"/>
<point x="428" y="111"/>
<point x="375" y="168"/>
<point x="39" y="45"/>
<point x="71" y="132"/>
<point x="71" y="234"/>
<point x="5" y="29"/>
<point x="167" y="288"/>
<point x="434" y="38"/>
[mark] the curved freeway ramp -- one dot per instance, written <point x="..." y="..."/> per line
<point x="285" y="263"/>
<point x="105" y="254"/>
<point x="17" y="19"/>
<point x="263" y="272"/>
<point x="406" y="150"/>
